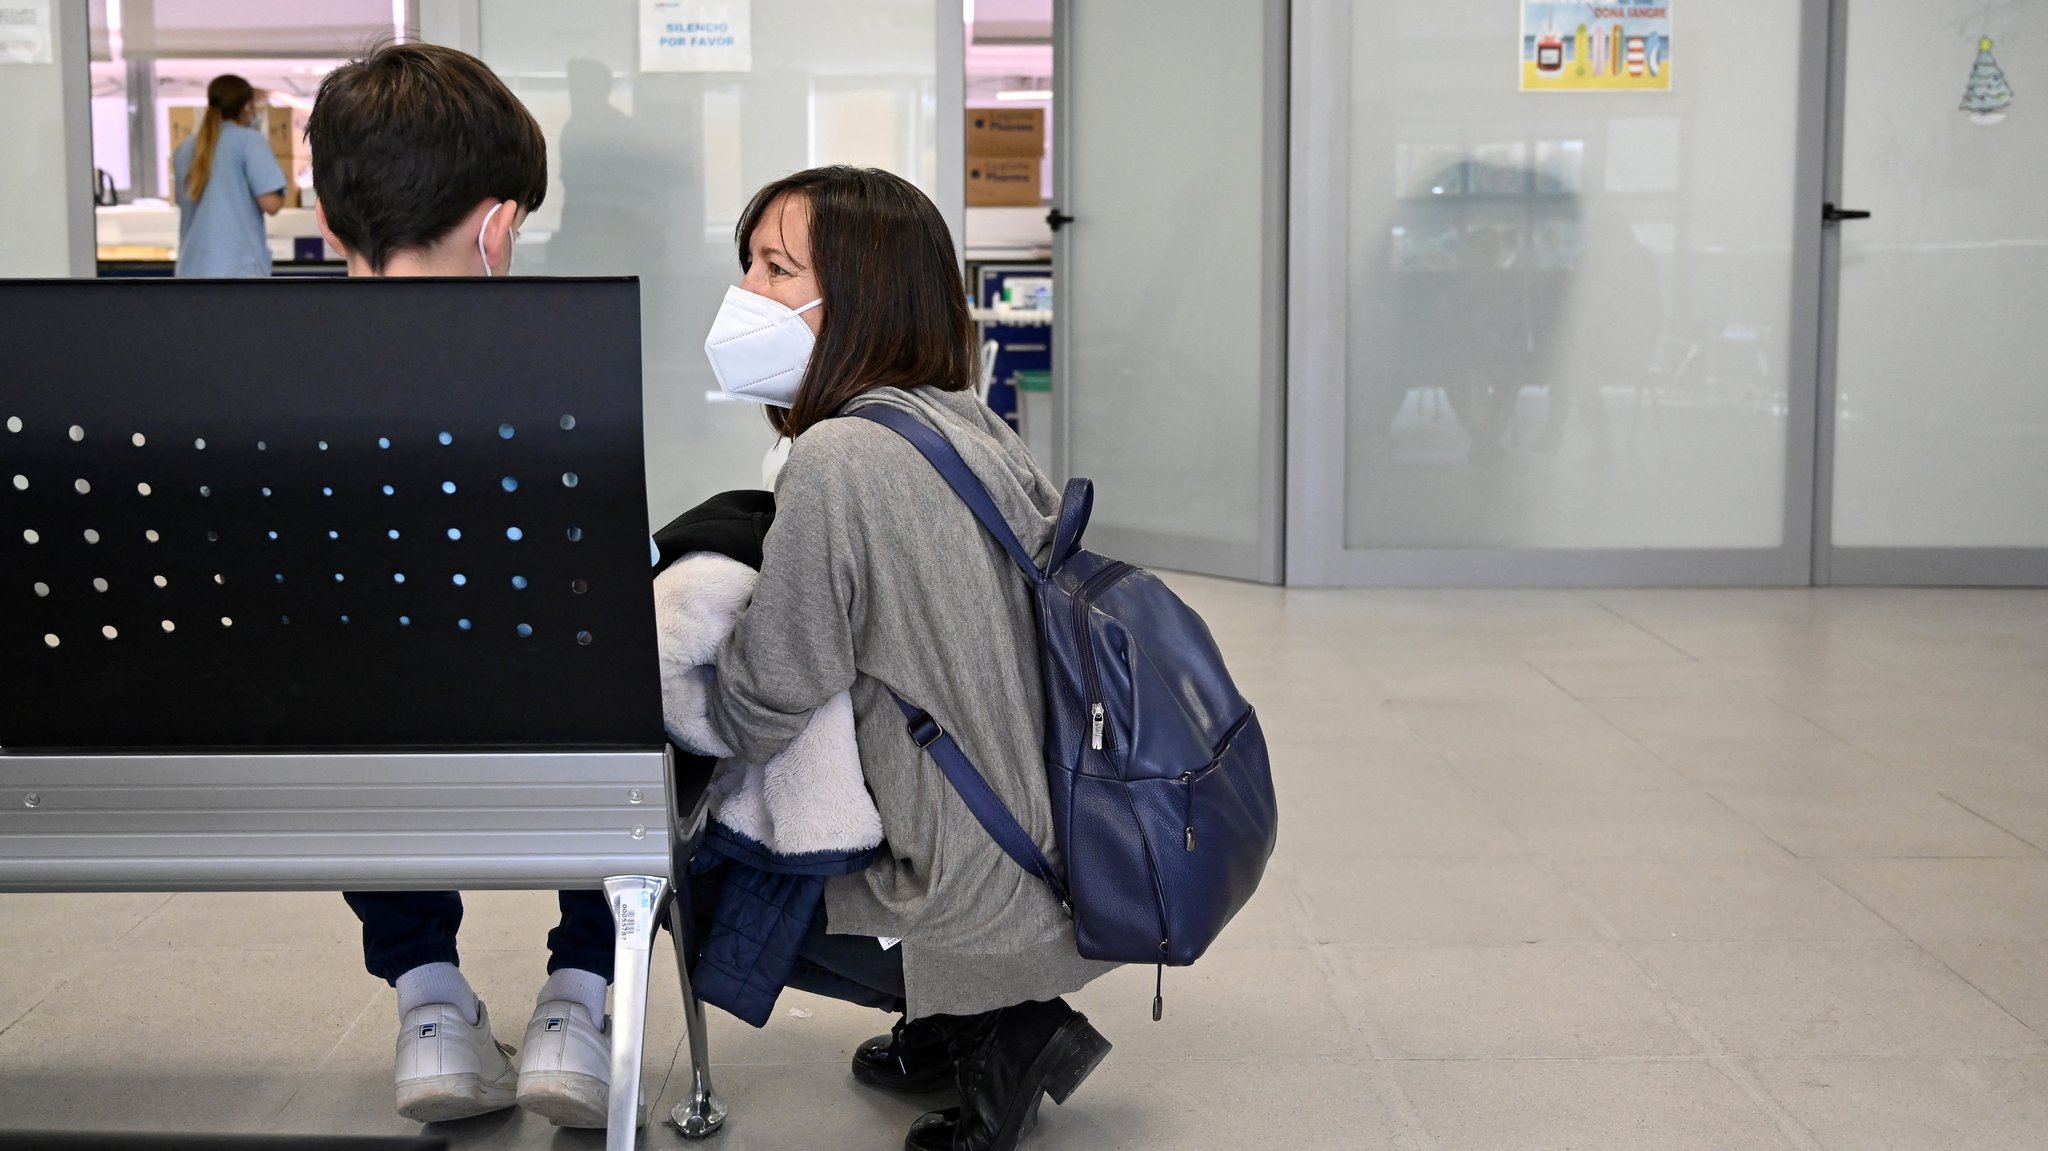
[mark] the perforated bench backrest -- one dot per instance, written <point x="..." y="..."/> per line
<point x="364" y="514"/>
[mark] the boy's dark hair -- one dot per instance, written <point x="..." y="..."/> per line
<point x="895" y="308"/>
<point x="408" y="140"/>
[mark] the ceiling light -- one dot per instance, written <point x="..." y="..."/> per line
<point x="1025" y="94"/>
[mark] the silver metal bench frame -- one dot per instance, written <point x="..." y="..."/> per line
<point x="392" y="821"/>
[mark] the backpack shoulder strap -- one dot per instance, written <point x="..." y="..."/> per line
<point x="981" y="799"/>
<point x="958" y="476"/>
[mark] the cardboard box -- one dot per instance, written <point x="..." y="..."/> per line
<point x="282" y="124"/>
<point x="1006" y="132"/>
<point x="285" y="125"/>
<point x="1003" y="182"/>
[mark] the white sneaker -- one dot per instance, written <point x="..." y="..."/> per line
<point x="565" y="1071"/>
<point x="451" y="1068"/>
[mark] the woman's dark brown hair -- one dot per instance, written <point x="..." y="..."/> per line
<point x="895" y="311"/>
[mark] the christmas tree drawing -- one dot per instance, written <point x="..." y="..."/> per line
<point x="1988" y="96"/>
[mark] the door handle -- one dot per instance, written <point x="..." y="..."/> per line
<point x="1829" y="214"/>
<point x="1057" y="219"/>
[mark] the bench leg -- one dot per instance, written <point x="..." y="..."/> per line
<point x="703" y="1113"/>
<point x="636" y="904"/>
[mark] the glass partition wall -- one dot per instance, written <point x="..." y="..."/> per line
<point x="1551" y="337"/>
<point x="1773" y="325"/>
<point x="1535" y="338"/>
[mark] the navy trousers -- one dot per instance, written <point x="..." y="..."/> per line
<point x="849" y="967"/>
<point x="407" y="929"/>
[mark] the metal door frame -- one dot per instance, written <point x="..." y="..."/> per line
<point x="1879" y="566"/>
<point x="1317" y="337"/>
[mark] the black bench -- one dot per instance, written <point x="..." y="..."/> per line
<point x="339" y="585"/>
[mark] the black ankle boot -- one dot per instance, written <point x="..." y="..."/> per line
<point x="1008" y="1059"/>
<point x="915" y="1057"/>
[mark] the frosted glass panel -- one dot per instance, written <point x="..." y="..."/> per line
<point x="38" y="186"/>
<point x="1568" y="314"/>
<point x="1941" y="376"/>
<point x="1164" y="292"/>
<point x="649" y="171"/>
<point x="203" y="28"/>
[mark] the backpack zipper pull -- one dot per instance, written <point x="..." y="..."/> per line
<point x="1158" y="991"/>
<point x="1097" y="720"/>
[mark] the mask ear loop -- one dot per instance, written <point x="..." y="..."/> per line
<point x="480" y="237"/>
<point x="797" y="313"/>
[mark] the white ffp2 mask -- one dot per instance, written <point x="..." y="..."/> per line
<point x="758" y="348"/>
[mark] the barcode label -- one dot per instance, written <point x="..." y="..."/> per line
<point x="632" y="910"/>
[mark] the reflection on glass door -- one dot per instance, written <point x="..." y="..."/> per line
<point x="1941" y="370"/>
<point x="1550" y="337"/>
<point x="649" y="172"/>
<point x="1168" y="357"/>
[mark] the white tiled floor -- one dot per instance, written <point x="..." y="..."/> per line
<point x="1634" y="870"/>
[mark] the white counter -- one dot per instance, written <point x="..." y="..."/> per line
<point x="156" y="226"/>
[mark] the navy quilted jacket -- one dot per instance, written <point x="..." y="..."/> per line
<point x="754" y="906"/>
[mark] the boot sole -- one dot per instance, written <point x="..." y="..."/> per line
<point x="442" y="1098"/>
<point x="930" y="1085"/>
<point x="1081" y="1049"/>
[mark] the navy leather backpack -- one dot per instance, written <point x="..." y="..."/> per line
<point x="1162" y="795"/>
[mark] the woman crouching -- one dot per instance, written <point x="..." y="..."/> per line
<point x="875" y="579"/>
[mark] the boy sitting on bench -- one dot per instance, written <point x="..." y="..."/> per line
<point x="426" y="165"/>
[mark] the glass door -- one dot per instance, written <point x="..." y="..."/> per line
<point x="1170" y="159"/>
<point x="1553" y="337"/>
<point x="1939" y="404"/>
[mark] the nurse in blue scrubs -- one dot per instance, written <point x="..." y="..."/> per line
<point x="226" y="181"/>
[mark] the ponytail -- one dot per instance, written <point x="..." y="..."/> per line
<point x="226" y="99"/>
<point x="202" y="155"/>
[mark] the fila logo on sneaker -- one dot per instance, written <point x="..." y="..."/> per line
<point x="429" y="1030"/>
<point x="554" y="1024"/>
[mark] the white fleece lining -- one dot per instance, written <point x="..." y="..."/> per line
<point x="810" y="798"/>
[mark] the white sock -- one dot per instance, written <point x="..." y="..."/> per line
<point x="436" y="983"/>
<point x="577" y="986"/>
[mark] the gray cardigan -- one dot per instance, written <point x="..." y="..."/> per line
<point x="876" y="576"/>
